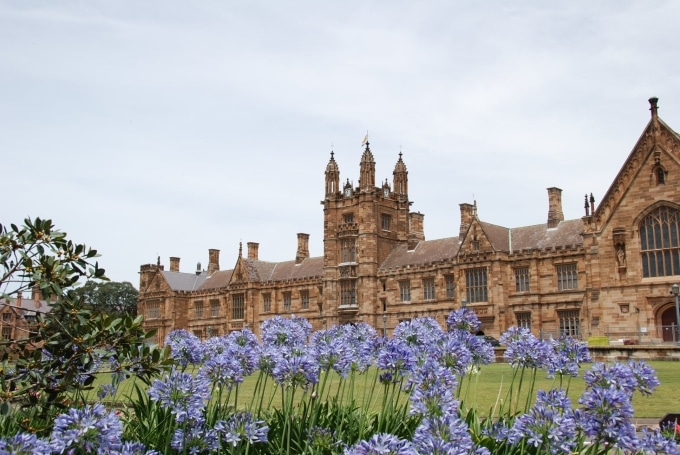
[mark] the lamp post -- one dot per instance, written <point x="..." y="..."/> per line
<point x="384" y="325"/>
<point x="675" y="290"/>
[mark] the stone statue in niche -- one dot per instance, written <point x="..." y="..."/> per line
<point x="620" y="247"/>
<point x="621" y="257"/>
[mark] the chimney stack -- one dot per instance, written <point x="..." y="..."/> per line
<point x="416" y="230"/>
<point x="302" y="248"/>
<point x="653" y="106"/>
<point x="555" y="214"/>
<point x="253" y="250"/>
<point x="174" y="264"/>
<point x="466" y="216"/>
<point x="19" y="299"/>
<point x="213" y="261"/>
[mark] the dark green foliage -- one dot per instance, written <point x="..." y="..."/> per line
<point x="109" y="297"/>
<point x="49" y="369"/>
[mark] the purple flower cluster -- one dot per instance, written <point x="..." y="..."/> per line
<point x="569" y="354"/>
<point x="92" y="429"/>
<point x="182" y="393"/>
<point x="525" y="350"/>
<point x="242" y="427"/>
<point x="186" y="348"/>
<point x="382" y="444"/>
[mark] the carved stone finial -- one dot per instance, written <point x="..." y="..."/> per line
<point x="653" y="103"/>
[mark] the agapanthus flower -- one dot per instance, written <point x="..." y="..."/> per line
<point x="223" y="370"/>
<point x="549" y="425"/>
<point x="362" y="342"/>
<point x="396" y="359"/>
<point x="452" y="352"/>
<point x="134" y="448"/>
<point x="24" y="444"/>
<point x="182" y="393"/>
<point x="570" y="353"/>
<point x="332" y="350"/>
<point x="525" y="350"/>
<point x="443" y="435"/>
<point x="463" y="319"/>
<point x="382" y="444"/>
<point x="195" y="438"/>
<point x="92" y="429"/>
<point x="481" y="352"/>
<point x="322" y="440"/>
<point x="606" y="415"/>
<point x="655" y="442"/>
<point x="419" y="333"/>
<point x="628" y="377"/>
<point x="242" y="427"/>
<point x="295" y="370"/>
<point x="290" y="333"/>
<point x="185" y="347"/>
<point x="433" y="387"/>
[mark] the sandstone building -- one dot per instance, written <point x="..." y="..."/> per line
<point x="607" y="273"/>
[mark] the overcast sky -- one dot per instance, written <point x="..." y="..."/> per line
<point x="165" y="128"/>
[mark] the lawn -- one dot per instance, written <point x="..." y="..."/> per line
<point x="488" y="388"/>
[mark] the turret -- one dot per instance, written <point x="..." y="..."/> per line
<point x="400" y="182"/>
<point x="332" y="177"/>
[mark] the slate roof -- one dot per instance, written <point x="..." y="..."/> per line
<point x="539" y="237"/>
<point x="179" y="281"/>
<point x="27" y="305"/>
<point x="425" y="252"/>
<point x="308" y="268"/>
<point x="219" y="279"/>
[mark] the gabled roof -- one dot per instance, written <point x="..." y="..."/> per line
<point x="540" y="237"/>
<point x="179" y="281"/>
<point x="425" y="252"/>
<point x="289" y="270"/>
<point x="219" y="279"/>
<point x="497" y="235"/>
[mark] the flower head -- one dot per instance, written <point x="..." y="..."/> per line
<point x="463" y="319"/>
<point x="182" y="393"/>
<point x="24" y="444"/>
<point x="185" y="347"/>
<point x="382" y="444"/>
<point x="92" y="429"/>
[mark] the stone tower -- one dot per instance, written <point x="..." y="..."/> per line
<point x="362" y="225"/>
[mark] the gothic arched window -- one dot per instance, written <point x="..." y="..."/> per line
<point x="659" y="244"/>
<point x="660" y="174"/>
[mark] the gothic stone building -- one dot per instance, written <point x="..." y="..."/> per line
<point x="607" y="273"/>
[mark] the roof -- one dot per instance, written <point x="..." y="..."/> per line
<point x="219" y="279"/>
<point x="540" y="237"/>
<point x="289" y="270"/>
<point x="179" y="281"/>
<point x="427" y="251"/>
<point x="27" y="305"/>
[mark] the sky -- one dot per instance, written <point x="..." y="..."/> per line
<point x="166" y="128"/>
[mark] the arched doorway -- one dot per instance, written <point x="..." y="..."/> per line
<point x="668" y="324"/>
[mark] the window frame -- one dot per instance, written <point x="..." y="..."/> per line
<point x="304" y="300"/>
<point x="477" y="284"/>
<point x="238" y="306"/>
<point x="266" y="302"/>
<point x="198" y="309"/>
<point x="287" y="301"/>
<point x="567" y="276"/>
<point x="659" y="235"/>
<point x="522" y="277"/>
<point x="405" y="291"/>
<point x="450" y="283"/>
<point x="348" y="293"/>
<point x="428" y="288"/>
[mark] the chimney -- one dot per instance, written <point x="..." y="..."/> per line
<point x="416" y="231"/>
<point x="253" y="250"/>
<point x="555" y="214"/>
<point x="302" y="248"/>
<point x="174" y="264"/>
<point x="19" y="299"/>
<point x="213" y="261"/>
<point x="36" y="295"/>
<point x="466" y="216"/>
<point x="654" y="107"/>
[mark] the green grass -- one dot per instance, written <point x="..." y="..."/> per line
<point x="486" y="389"/>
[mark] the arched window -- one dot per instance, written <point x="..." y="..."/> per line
<point x="660" y="174"/>
<point x="659" y="243"/>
